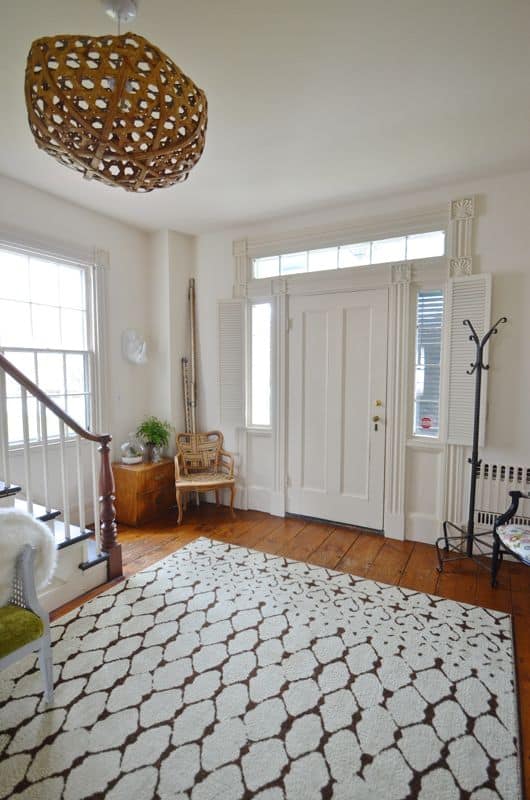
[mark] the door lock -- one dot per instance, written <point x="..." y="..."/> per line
<point x="375" y="420"/>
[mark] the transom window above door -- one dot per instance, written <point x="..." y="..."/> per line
<point x="344" y="256"/>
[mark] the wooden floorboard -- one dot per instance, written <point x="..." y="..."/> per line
<point x="420" y="570"/>
<point x="408" y="564"/>
<point x="334" y="548"/>
<point x="361" y="556"/>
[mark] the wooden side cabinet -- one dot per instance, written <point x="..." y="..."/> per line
<point x="144" y="491"/>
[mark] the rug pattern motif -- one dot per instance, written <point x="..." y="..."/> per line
<point x="223" y="673"/>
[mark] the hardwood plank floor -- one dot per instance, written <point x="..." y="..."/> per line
<point x="408" y="564"/>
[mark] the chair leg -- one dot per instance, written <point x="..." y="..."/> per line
<point x="217" y="497"/>
<point x="232" y="498"/>
<point x="179" y="504"/>
<point x="46" y="668"/>
<point x="495" y="558"/>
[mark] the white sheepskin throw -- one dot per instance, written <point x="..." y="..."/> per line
<point x="18" y="528"/>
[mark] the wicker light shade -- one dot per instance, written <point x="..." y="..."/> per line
<point x="115" y="108"/>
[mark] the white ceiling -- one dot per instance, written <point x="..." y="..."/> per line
<point x="312" y="103"/>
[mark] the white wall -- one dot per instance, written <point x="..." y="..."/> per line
<point x="170" y="268"/>
<point x="502" y="245"/>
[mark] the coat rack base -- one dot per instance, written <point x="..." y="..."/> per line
<point x="456" y="547"/>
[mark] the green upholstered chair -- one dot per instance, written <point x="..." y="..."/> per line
<point x="24" y="625"/>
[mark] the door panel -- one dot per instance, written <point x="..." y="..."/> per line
<point x="337" y="371"/>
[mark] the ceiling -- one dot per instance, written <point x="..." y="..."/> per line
<point x="312" y="103"/>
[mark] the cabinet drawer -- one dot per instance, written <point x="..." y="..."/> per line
<point x="154" y="478"/>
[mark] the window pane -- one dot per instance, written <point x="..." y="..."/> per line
<point x="14" y="420"/>
<point x="76" y="380"/>
<point x="46" y="326"/>
<point x="44" y="281"/>
<point x="384" y="250"/>
<point x="51" y="373"/>
<point x="426" y="245"/>
<point x="76" y="407"/>
<point x="354" y="255"/>
<point x="323" y="259"/>
<point x="72" y="287"/>
<point x="260" y="411"/>
<point x="52" y="424"/>
<point x="429" y="322"/>
<point x="293" y="263"/>
<point x="15" y="324"/>
<point x="14" y="276"/>
<point x="25" y="362"/>
<point x="73" y="329"/>
<point x="266" y="267"/>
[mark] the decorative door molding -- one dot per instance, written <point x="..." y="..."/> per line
<point x="458" y="220"/>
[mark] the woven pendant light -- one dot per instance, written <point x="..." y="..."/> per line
<point x="115" y="108"/>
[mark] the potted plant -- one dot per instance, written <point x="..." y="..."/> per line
<point x="155" y="433"/>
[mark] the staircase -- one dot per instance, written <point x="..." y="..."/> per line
<point x="61" y="472"/>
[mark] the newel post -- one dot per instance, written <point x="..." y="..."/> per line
<point x="107" y="511"/>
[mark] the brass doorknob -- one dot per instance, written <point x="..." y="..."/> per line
<point x="379" y="403"/>
<point x="376" y="418"/>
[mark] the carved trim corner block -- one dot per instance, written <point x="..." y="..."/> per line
<point x="240" y="253"/>
<point x="402" y="272"/>
<point x="279" y="286"/>
<point x="101" y="258"/>
<point x="463" y="208"/>
<point x="240" y="247"/>
<point x="460" y="267"/>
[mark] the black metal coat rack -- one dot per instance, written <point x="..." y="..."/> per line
<point x="462" y="544"/>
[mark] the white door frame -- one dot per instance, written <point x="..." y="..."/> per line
<point x="398" y="278"/>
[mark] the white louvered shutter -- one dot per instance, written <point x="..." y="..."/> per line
<point x="231" y="320"/>
<point x="468" y="298"/>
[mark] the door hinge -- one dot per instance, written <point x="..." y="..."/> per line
<point x="290" y="323"/>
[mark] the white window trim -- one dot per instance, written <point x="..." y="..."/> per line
<point x="96" y="263"/>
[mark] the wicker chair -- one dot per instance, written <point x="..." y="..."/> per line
<point x="24" y="625"/>
<point x="201" y="465"/>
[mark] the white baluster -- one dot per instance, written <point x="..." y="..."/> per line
<point x="27" y="454"/>
<point x="45" y="454"/>
<point x="4" y="433"/>
<point x="80" y="485"/>
<point x="64" y="482"/>
<point x="95" y="497"/>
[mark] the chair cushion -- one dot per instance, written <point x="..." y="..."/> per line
<point x="516" y="539"/>
<point x="18" y="627"/>
<point x="203" y="479"/>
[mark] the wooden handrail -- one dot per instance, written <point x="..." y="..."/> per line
<point x="33" y="389"/>
<point x="107" y="510"/>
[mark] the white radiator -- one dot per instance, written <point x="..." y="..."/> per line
<point x="494" y="481"/>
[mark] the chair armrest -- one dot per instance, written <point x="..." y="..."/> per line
<point x="24" y="590"/>
<point x="227" y="462"/>
<point x="177" y="467"/>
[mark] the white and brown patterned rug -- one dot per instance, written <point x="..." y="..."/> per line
<point x="223" y="673"/>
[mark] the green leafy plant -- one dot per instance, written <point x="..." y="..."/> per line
<point x="154" y="431"/>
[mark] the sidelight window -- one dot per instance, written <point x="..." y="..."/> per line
<point x="428" y="354"/>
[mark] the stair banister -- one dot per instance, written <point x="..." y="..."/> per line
<point x="107" y="512"/>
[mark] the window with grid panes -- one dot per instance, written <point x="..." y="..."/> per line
<point x="44" y="332"/>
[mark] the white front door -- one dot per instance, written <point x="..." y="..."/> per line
<point x="337" y="385"/>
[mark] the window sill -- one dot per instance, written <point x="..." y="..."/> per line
<point x="425" y="442"/>
<point x="17" y="449"/>
<point x="256" y="430"/>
